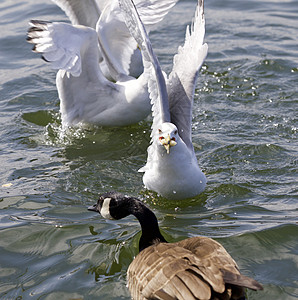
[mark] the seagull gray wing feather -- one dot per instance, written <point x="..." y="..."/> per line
<point x="153" y="11"/>
<point x="105" y="16"/>
<point x="183" y="78"/>
<point x="80" y="12"/>
<point x="156" y="81"/>
<point x="73" y="50"/>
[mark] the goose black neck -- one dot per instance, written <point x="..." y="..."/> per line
<point x="149" y="224"/>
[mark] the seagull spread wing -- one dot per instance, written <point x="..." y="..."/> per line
<point x="183" y="78"/>
<point x="156" y="82"/>
<point x="80" y="12"/>
<point x="118" y="47"/>
<point x="116" y="43"/>
<point x="118" y="50"/>
<point x="60" y="44"/>
<point x="74" y="51"/>
<point x="153" y="11"/>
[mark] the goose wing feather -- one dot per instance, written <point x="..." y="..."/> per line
<point x="241" y="280"/>
<point x="195" y="268"/>
<point x="212" y="253"/>
<point x="169" y="269"/>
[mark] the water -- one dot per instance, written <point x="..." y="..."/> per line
<point x="245" y="137"/>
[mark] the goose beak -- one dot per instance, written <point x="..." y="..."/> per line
<point x="93" y="208"/>
<point x="168" y="142"/>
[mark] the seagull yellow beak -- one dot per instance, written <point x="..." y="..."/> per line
<point x="168" y="142"/>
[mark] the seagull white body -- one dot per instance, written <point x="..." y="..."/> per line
<point x="174" y="175"/>
<point x="172" y="169"/>
<point x="93" y="81"/>
<point x="91" y="98"/>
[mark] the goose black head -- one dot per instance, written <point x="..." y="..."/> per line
<point x="115" y="206"/>
<point x="112" y="205"/>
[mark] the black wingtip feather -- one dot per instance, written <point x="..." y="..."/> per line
<point x="45" y="59"/>
<point x="39" y="22"/>
<point x="34" y="29"/>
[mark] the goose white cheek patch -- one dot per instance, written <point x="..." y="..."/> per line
<point x="105" y="209"/>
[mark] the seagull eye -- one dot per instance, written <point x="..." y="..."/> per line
<point x="159" y="131"/>
<point x="176" y="131"/>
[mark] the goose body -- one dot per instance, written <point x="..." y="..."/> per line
<point x="95" y="79"/>
<point x="194" y="268"/>
<point x="171" y="169"/>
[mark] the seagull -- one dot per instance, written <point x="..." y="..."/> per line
<point x="103" y="16"/>
<point x="194" y="268"/>
<point x="85" y="12"/>
<point x="93" y="81"/>
<point x="172" y="169"/>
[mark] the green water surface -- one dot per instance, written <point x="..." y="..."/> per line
<point x="244" y="134"/>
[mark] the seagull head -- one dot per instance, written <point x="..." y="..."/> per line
<point x="168" y="135"/>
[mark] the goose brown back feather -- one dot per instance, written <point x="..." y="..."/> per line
<point x="195" y="268"/>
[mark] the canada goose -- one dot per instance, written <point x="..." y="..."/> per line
<point x="85" y="55"/>
<point x="172" y="169"/>
<point x="194" y="268"/>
